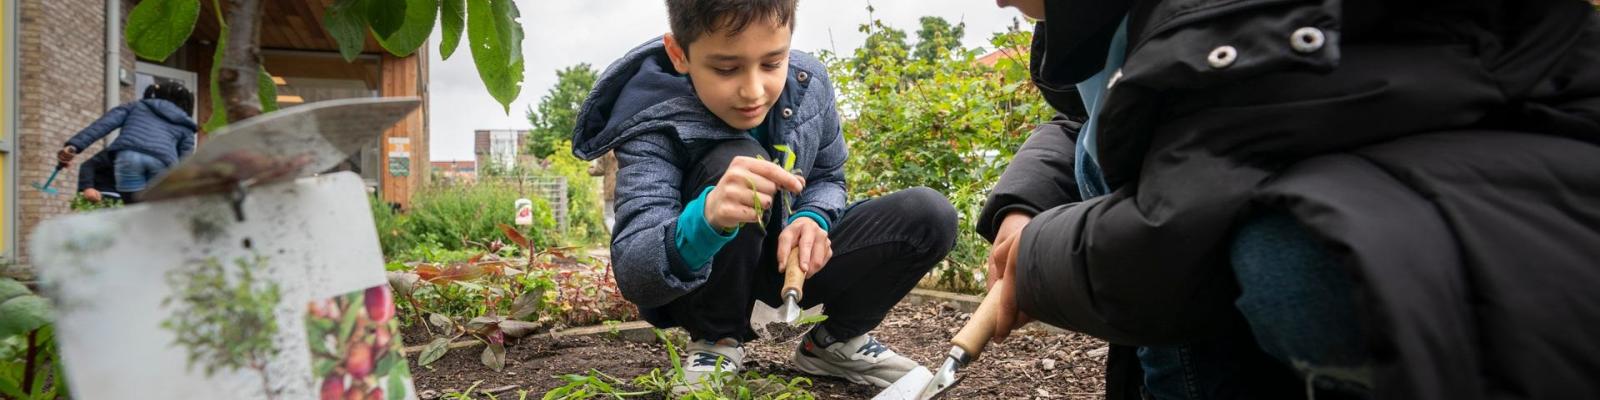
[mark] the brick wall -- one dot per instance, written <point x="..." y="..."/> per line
<point x="61" y="89"/>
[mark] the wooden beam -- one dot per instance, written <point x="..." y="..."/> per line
<point x="400" y="79"/>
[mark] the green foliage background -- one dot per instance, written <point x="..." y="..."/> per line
<point x="455" y="217"/>
<point x="931" y="114"/>
<point x="557" y="113"/>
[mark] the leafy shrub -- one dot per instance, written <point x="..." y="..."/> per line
<point x="447" y="218"/>
<point x="947" y="122"/>
<point x="585" y="218"/>
<point x="30" y="365"/>
<point x="81" y="204"/>
<point x="459" y="216"/>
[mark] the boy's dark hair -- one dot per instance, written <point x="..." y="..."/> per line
<point x="173" y="92"/>
<point x="691" y="19"/>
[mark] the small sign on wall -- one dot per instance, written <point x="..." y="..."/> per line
<point x="400" y="166"/>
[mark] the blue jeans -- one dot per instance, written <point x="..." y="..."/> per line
<point x="135" y="170"/>
<point x="1300" y="307"/>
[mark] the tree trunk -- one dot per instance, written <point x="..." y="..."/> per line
<point x="28" y="368"/>
<point x="242" y="60"/>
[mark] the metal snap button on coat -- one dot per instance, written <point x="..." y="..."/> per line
<point x="788" y="112"/>
<point x="1307" y="39"/>
<point x="1222" y="57"/>
<point x="802" y="76"/>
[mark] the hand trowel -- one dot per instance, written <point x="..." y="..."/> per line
<point x="794" y="279"/>
<point x="920" y="384"/>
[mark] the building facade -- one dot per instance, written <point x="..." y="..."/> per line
<point x="498" y="148"/>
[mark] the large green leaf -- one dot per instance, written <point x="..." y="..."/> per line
<point x="156" y="28"/>
<point x="219" y="108"/>
<point x="397" y="383"/>
<point x="514" y="328"/>
<point x="509" y="29"/>
<point x="494" y="356"/>
<point x="267" y="91"/>
<point x="527" y="303"/>
<point x="495" y="37"/>
<point x="414" y="31"/>
<point x="10" y="288"/>
<point x="433" y="351"/>
<point x="20" y="310"/>
<point x="386" y="16"/>
<point x="452" y="20"/>
<point x="9" y="387"/>
<point x="345" y="22"/>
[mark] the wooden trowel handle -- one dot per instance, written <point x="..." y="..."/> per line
<point x="794" y="277"/>
<point x="980" y="327"/>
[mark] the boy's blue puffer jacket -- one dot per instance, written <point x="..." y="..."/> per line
<point x="151" y="126"/>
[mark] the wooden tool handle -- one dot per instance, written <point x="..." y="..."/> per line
<point x="794" y="277"/>
<point x="980" y="327"/>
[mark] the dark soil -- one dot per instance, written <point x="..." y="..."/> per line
<point x="1015" y="369"/>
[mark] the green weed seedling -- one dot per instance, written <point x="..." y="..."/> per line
<point x="658" y="383"/>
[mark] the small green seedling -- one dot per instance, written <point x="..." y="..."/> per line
<point x="811" y="319"/>
<point x="788" y="165"/>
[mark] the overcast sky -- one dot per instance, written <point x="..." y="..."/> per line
<point x="561" y="33"/>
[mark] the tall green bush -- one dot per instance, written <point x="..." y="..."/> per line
<point x="459" y="217"/>
<point x="947" y="122"/>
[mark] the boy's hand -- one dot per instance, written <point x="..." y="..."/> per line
<point x="92" y="195"/>
<point x="748" y="180"/>
<point x="1002" y="257"/>
<point x="1003" y="267"/>
<point x="66" y="154"/>
<point x="805" y="236"/>
<point x="1008" y="317"/>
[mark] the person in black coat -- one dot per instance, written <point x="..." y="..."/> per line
<point x="1393" y="199"/>
<point x="97" y="178"/>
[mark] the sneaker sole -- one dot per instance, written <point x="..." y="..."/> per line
<point x="815" y="366"/>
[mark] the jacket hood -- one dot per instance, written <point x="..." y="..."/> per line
<point x="1069" y="46"/>
<point x="639" y="93"/>
<point x="170" y="112"/>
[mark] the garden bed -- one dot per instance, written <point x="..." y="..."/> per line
<point x="1013" y="370"/>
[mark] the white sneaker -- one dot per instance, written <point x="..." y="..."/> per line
<point x="705" y="361"/>
<point x="861" y="359"/>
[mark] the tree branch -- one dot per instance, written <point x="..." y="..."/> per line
<point x="28" y="364"/>
<point x="242" y="60"/>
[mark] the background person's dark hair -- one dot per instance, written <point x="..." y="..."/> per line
<point x="174" y="93"/>
<point x="691" y="19"/>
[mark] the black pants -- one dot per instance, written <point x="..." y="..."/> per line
<point x="881" y="248"/>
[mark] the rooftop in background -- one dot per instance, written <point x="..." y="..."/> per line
<point x="994" y="56"/>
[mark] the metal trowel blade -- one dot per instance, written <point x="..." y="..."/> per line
<point x="790" y="311"/>
<point x="909" y="387"/>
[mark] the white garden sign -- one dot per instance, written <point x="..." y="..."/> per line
<point x="254" y="278"/>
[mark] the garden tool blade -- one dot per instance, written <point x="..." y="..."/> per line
<point x="942" y="380"/>
<point x="909" y="387"/>
<point x="285" y="145"/>
<point x="46" y="188"/>
<point x="791" y="309"/>
<point x="964" y="349"/>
